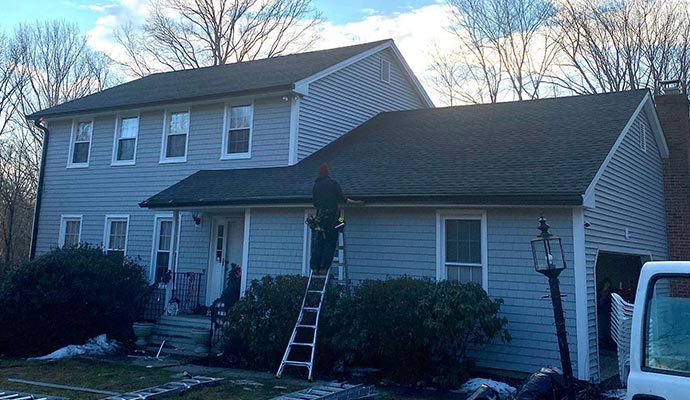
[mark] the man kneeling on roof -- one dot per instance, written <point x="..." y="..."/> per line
<point x="326" y="225"/>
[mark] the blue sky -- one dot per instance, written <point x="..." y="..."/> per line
<point x="336" y="11"/>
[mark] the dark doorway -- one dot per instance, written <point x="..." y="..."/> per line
<point x="615" y="273"/>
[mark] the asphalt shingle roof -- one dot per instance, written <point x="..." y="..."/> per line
<point x="531" y="152"/>
<point x="278" y="73"/>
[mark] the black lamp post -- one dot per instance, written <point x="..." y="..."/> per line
<point x="547" y="251"/>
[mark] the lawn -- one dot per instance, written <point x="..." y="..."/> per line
<point x="120" y="376"/>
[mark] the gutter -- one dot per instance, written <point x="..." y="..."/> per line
<point x="39" y="188"/>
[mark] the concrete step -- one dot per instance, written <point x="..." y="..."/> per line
<point x="177" y="331"/>
<point x="185" y="320"/>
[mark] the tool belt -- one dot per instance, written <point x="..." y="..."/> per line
<point x="325" y="221"/>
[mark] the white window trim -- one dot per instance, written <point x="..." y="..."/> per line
<point x="381" y="69"/>
<point x="63" y="226"/>
<point x="75" y="123"/>
<point x="116" y="139"/>
<point x="441" y="217"/>
<point x="106" y="230"/>
<point x="154" y="243"/>
<point x="224" y="155"/>
<point x="164" y="141"/>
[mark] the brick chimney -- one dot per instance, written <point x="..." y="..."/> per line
<point x="673" y="109"/>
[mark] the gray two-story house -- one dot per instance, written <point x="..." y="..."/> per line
<point x="194" y="170"/>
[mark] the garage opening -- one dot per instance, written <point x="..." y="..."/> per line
<point x="615" y="273"/>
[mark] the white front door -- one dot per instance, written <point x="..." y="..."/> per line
<point x="226" y="248"/>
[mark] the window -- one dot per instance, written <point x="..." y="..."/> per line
<point x="82" y="132"/>
<point x="162" y="247"/>
<point x="175" y="137"/>
<point x="115" y="241"/>
<point x="462" y="248"/>
<point x="126" y="133"/>
<point x="70" y="230"/>
<point x="238" y="133"/>
<point x="643" y="137"/>
<point x="667" y="327"/>
<point x="385" y="71"/>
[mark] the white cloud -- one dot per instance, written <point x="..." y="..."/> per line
<point x="117" y="14"/>
<point x="416" y="32"/>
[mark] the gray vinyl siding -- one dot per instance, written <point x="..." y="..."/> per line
<point x="390" y="242"/>
<point x="343" y="100"/>
<point x="276" y="241"/>
<point x="629" y="194"/>
<point x="103" y="189"/>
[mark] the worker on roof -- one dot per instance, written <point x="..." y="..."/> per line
<point x="326" y="196"/>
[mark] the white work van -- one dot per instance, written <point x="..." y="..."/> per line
<point x="660" y="334"/>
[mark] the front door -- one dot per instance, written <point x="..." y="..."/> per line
<point x="226" y="248"/>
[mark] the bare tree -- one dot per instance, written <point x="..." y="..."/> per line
<point x="628" y="44"/>
<point x="508" y="42"/>
<point x="19" y="157"/>
<point x="185" y="34"/>
<point x="46" y="64"/>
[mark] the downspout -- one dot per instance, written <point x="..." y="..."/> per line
<point x="39" y="188"/>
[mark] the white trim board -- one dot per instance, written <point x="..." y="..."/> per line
<point x="581" y="315"/>
<point x="245" y="250"/>
<point x="294" y="130"/>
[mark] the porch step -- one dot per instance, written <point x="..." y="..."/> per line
<point x="176" y="331"/>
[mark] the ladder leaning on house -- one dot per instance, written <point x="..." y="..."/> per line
<point x="306" y="328"/>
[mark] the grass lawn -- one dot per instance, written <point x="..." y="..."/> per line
<point x="123" y="376"/>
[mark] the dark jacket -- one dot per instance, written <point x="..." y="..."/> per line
<point x="327" y="194"/>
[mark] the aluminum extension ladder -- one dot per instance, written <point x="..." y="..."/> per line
<point x="11" y="395"/>
<point x="167" y="389"/>
<point x="306" y="328"/>
<point x="331" y="391"/>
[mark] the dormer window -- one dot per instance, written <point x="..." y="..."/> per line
<point x="80" y="145"/>
<point x="237" y="138"/>
<point x="385" y="71"/>
<point x="175" y="137"/>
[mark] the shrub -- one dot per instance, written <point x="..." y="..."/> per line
<point x="67" y="296"/>
<point x="411" y="329"/>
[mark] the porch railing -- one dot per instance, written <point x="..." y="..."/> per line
<point x="187" y="290"/>
<point x="152" y="304"/>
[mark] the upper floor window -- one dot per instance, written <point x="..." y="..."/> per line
<point x="463" y="248"/>
<point x="80" y="145"/>
<point x="175" y="137"/>
<point x="385" y="71"/>
<point x="126" y="133"/>
<point x="238" y="133"/>
<point x="115" y="240"/>
<point x="70" y="230"/>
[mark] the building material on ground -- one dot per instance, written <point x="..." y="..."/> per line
<point x="168" y="389"/>
<point x="331" y="391"/>
<point x="11" y="395"/>
<point x="58" y="386"/>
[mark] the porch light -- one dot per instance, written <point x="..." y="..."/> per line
<point x="547" y="253"/>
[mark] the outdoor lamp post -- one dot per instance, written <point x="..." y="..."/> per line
<point x="547" y="252"/>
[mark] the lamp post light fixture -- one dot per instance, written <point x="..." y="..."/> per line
<point x="547" y="252"/>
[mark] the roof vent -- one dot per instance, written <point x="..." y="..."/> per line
<point x="671" y="87"/>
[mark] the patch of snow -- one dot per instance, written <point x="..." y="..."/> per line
<point x="98" y="346"/>
<point x="504" y="390"/>
<point x="616" y="394"/>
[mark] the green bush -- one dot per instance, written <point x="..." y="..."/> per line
<point x="67" y="296"/>
<point x="410" y="329"/>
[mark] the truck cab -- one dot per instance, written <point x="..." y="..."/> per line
<point x="660" y="334"/>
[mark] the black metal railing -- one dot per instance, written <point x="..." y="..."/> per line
<point x="187" y="290"/>
<point x="152" y="304"/>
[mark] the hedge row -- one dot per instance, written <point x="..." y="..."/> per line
<point x="410" y="329"/>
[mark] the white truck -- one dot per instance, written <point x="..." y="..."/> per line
<point x="660" y="334"/>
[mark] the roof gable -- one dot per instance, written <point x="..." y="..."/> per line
<point x="540" y="152"/>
